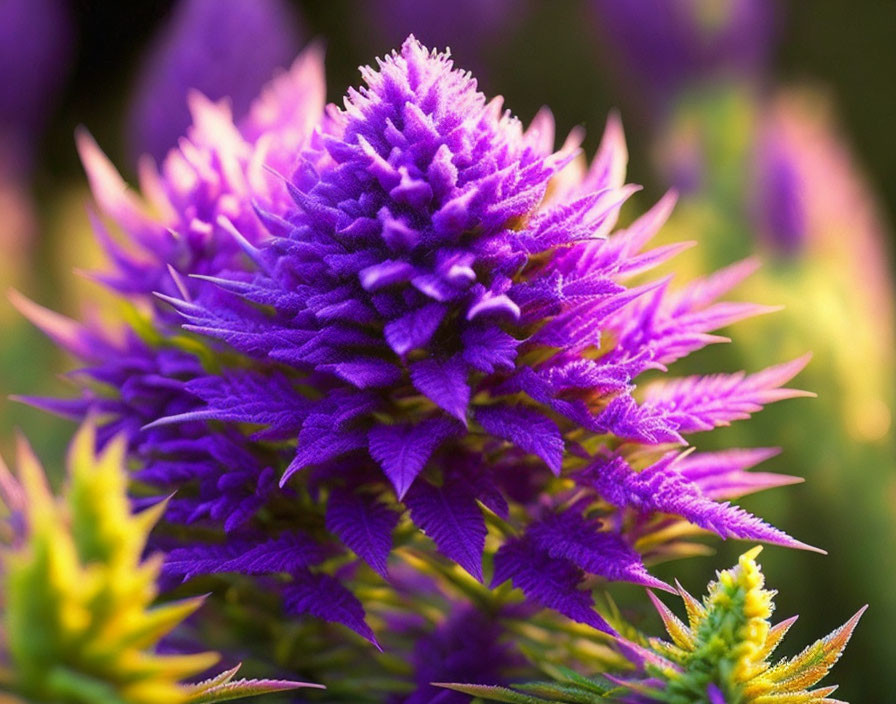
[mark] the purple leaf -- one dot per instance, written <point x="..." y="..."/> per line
<point x="450" y="516"/>
<point x="414" y="329"/>
<point x="384" y="274"/>
<point x="551" y="582"/>
<point x="662" y="488"/>
<point x="365" y="373"/>
<point x="703" y="402"/>
<point x="248" y="397"/>
<point x="489" y="348"/>
<point x="724" y="475"/>
<point x="322" y="439"/>
<point x="527" y="429"/>
<point x="364" y="524"/>
<point x="326" y="598"/>
<point x="285" y="553"/>
<point x="403" y="450"/>
<point x="444" y="382"/>
<point x="187" y="563"/>
<point x="570" y="536"/>
<point x="624" y="418"/>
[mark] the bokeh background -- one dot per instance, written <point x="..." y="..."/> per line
<point x="773" y="119"/>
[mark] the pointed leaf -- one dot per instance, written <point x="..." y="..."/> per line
<point x="364" y="524"/>
<point x="324" y="597"/>
<point x="403" y="450"/>
<point x="444" y="382"/>
<point x="529" y="430"/>
<point x="551" y="582"/>
<point x="450" y="516"/>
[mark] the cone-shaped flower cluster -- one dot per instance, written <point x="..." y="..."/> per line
<point x="438" y="323"/>
<point x="722" y="654"/>
<point x="719" y="657"/>
<point x="78" y="619"/>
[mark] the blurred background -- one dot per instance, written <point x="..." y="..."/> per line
<point x="774" y="120"/>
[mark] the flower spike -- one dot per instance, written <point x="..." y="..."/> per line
<point x="79" y="623"/>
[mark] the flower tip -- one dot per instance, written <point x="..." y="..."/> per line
<point x="614" y="124"/>
<point x="800" y="545"/>
<point x="18" y="300"/>
<point x="411" y="45"/>
<point x="669" y="199"/>
<point x="100" y="171"/>
<point x="158" y="423"/>
<point x="657" y="583"/>
<point x="842" y="635"/>
<point x="787" y="622"/>
<point x="315" y="50"/>
<point x="766" y="310"/>
<point x="801" y="361"/>
<point x="85" y="142"/>
<point x="752" y="553"/>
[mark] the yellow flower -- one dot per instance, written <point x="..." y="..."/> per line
<point x="727" y="641"/>
<point x="78" y="620"/>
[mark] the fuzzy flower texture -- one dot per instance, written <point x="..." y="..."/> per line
<point x="418" y="313"/>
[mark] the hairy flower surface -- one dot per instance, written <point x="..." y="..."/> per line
<point x="439" y="324"/>
<point x="79" y="625"/>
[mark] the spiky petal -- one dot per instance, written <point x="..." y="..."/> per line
<point x="78" y="614"/>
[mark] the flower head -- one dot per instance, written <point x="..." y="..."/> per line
<point x="449" y="294"/>
<point x="719" y="657"/>
<point x="723" y="652"/>
<point x="438" y="320"/>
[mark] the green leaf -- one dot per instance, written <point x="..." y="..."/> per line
<point x="221" y="689"/>
<point x="492" y="693"/>
<point x="561" y="692"/>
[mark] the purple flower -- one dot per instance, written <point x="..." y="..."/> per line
<point x="779" y="197"/>
<point x="665" y="46"/>
<point x="34" y="42"/>
<point x="205" y="188"/>
<point x="446" y="302"/>
<point x="222" y="48"/>
<point x="438" y="319"/>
